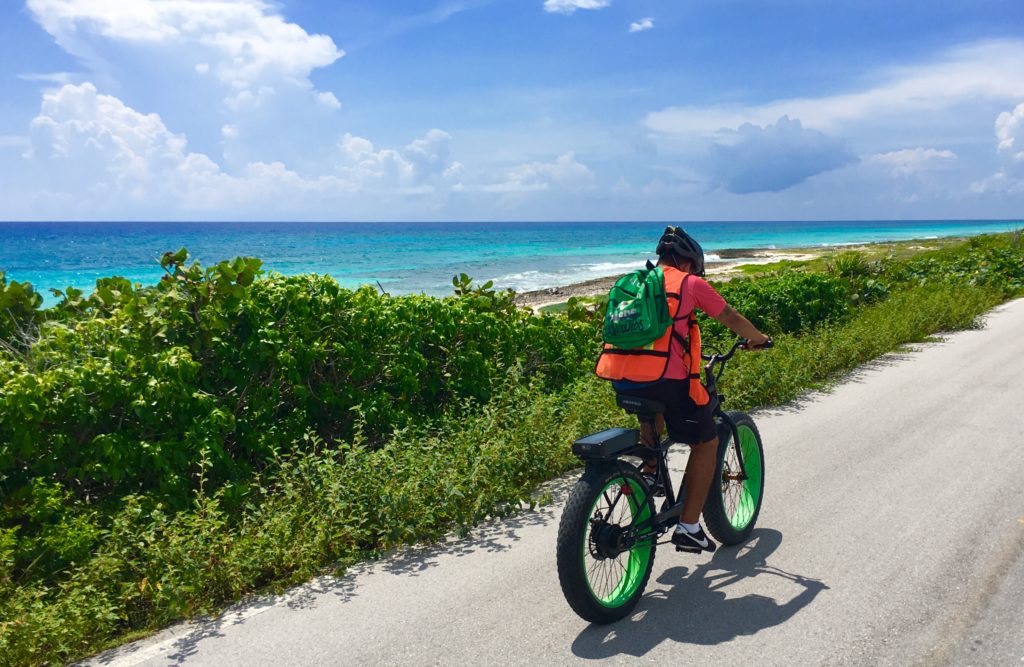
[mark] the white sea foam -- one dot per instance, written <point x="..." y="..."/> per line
<point x="609" y="268"/>
<point x="528" y="281"/>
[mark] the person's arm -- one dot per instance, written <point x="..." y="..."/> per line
<point x="741" y="326"/>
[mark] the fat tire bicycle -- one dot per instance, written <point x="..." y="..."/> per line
<point x="610" y="527"/>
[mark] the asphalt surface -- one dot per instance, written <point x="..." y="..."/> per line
<point x="892" y="533"/>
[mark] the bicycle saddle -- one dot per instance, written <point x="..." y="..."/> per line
<point x="638" y="406"/>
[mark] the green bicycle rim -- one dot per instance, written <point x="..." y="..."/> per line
<point x="621" y="579"/>
<point x="749" y="491"/>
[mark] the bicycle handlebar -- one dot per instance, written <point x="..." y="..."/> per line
<point x="719" y="358"/>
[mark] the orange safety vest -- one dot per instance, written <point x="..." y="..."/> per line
<point x="649" y="363"/>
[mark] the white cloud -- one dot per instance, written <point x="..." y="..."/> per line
<point x="911" y="160"/>
<point x="774" y="157"/>
<point x="244" y="42"/>
<point x="328" y="100"/>
<point x="96" y="144"/>
<point x="1010" y="137"/>
<point x="422" y="166"/>
<point x="565" y="173"/>
<point x="570" y="6"/>
<point x="110" y="159"/>
<point x="248" y="100"/>
<point x="1009" y="128"/>
<point x="641" y="25"/>
<point x="363" y="163"/>
<point x="985" y="71"/>
<point x="430" y="154"/>
<point x="58" y="78"/>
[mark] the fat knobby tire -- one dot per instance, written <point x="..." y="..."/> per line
<point x="716" y="514"/>
<point x="572" y="544"/>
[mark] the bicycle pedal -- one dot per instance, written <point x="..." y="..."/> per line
<point x="689" y="550"/>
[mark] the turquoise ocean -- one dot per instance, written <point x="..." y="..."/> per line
<point x="413" y="257"/>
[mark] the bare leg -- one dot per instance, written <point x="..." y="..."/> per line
<point x="700" y="469"/>
<point x="651" y="438"/>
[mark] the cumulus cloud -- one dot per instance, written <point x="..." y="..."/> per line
<point x="328" y="100"/>
<point x="912" y="160"/>
<point x="1010" y="138"/>
<point x="247" y="41"/>
<point x="429" y="155"/>
<point x="96" y="144"/>
<point x="641" y="25"/>
<point x="110" y="158"/>
<point x="420" y="167"/>
<point x="362" y="162"/>
<point x="565" y="173"/>
<point x="1009" y="128"/>
<point x="240" y="61"/>
<point x="772" y="158"/>
<point x="570" y="6"/>
<point x="984" y="71"/>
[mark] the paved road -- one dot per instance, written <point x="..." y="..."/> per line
<point x="892" y="533"/>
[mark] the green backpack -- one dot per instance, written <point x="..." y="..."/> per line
<point x="637" y="312"/>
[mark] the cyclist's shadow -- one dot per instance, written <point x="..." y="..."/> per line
<point x="695" y="610"/>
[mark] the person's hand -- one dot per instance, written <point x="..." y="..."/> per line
<point x="758" y="343"/>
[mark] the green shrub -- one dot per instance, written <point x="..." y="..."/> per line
<point x="850" y="265"/>
<point x="19" y="313"/>
<point x="785" y="302"/>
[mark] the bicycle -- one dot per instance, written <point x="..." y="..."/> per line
<point x="609" y="528"/>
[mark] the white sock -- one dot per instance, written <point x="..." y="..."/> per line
<point x="689" y="527"/>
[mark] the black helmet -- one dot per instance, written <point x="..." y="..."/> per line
<point x="677" y="242"/>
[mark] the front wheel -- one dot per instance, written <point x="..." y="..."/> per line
<point x="734" y="500"/>
<point x="602" y="567"/>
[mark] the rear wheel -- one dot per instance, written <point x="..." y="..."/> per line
<point x="734" y="502"/>
<point x="601" y="570"/>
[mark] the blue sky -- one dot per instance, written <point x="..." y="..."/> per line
<point x="511" y="110"/>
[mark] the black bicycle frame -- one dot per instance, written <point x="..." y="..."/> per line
<point x="673" y="504"/>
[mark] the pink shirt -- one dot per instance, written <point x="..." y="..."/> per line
<point x="697" y="293"/>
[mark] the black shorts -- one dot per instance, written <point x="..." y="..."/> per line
<point x="687" y="422"/>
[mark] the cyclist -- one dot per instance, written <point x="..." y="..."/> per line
<point x="668" y="371"/>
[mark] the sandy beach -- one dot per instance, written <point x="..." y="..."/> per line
<point x="721" y="270"/>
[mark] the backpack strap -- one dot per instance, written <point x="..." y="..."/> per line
<point x="679" y="296"/>
<point x="685" y="341"/>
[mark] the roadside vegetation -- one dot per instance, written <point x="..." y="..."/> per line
<point x="167" y="450"/>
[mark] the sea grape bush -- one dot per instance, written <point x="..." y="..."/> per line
<point x="19" y="306"/>
<point x="129" y="389"/>
<point x="788" y="302"/>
